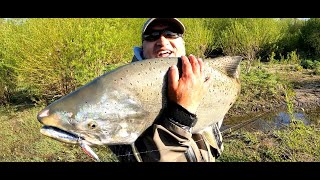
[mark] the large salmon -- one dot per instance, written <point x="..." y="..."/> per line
<point x="118" y="106"/>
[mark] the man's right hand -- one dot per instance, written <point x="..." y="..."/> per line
<point x="190" y="88"/>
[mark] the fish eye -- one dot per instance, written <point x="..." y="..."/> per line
<point x="92" y="125"/>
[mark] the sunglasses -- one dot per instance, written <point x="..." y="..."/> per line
<point x="154" y="35"/>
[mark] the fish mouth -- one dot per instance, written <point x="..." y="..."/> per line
<point x="69" y="137"/>
<point x="61" y="135"/>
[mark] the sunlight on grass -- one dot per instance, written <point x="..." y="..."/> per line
<point x="21" y="141"/>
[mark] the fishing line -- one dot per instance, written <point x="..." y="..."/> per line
<point x="241" y="125"/>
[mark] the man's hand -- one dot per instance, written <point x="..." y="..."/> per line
<point x="190" y="88"/>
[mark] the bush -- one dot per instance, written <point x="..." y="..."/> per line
<point x="311" y="37"/>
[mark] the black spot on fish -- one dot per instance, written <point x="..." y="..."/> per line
<point x="92" y="125"/>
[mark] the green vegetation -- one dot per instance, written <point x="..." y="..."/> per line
<point x="260" y="86"/>
<point x="49" y="58"/>
<point x="43" y="59"/>
<point x="296" y="143"/>
<point x="21" y="140"/>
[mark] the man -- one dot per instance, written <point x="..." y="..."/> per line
<point x="170" y="139"/>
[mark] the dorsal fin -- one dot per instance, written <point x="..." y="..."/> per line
<point x="230" y="65"/>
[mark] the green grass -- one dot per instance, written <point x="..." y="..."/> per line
<point x="21" y="141"/>
<point x="261" y="89"/>
<point x="296" y="143"/>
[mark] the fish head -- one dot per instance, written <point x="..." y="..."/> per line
<point x="105" y="120"/>
<point x="87" y="129"/>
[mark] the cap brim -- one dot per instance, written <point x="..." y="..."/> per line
<point x="173" y="21"/>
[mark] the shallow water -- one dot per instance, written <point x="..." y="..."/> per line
<point x="270" y="121"/>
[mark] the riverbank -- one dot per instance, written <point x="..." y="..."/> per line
<point x="306" y="87"/>
<point x="245" y="142"/>
<point x="251" y="142"/>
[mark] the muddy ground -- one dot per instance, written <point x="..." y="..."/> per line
<point x="306" y="87"/>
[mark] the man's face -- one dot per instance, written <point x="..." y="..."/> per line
<point x="164" y="46"/>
